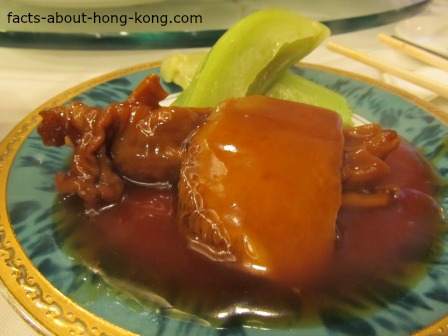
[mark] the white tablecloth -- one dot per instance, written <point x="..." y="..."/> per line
<point x="29" y="77"/>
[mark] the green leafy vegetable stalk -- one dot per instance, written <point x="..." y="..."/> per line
<point x="253" y="57"/>
<point x="299" y="89"/>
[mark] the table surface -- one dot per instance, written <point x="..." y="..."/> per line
<point x="30" y="77"/>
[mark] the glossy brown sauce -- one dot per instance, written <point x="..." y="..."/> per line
<point x="260" y="187"/>
<point x="137" y="242"/>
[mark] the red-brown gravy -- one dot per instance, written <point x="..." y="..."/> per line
<point x="137" y="241"/>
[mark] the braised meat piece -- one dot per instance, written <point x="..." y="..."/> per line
<point x="261" y="187"/>
<point x="365" y="150"/>
<point x="141" y="141"/>
<point x="137" y="139"/>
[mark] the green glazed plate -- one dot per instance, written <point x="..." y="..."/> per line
<point x="62" y="296"/>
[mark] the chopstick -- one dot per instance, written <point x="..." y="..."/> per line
<point x="416" y="52"/>
<point x="419" y="80"/>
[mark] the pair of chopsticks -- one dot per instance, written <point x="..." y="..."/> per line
<point x="409" y="49"/>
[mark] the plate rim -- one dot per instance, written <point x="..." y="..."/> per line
<point x="41" y="304"/>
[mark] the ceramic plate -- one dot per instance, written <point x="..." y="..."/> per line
<point x="59" y="293"/>
<point x="429" y="32"/>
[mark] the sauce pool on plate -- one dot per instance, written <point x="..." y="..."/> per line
<point x="136" y="244"/>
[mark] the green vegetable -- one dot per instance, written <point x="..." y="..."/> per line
<point x="180" y="69"/>
<point x="296" y="88"/>
<point x="251" y="56"/>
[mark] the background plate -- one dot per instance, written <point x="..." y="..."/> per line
<point x="429" y="32"/>
<point x="203" y="21"/>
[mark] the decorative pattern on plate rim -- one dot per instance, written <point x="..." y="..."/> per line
<point x="43" y="303"/>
